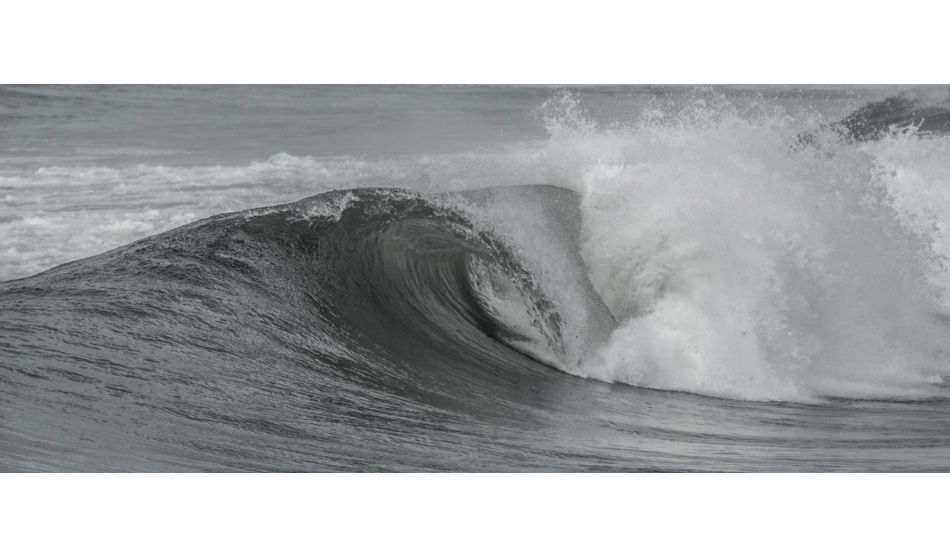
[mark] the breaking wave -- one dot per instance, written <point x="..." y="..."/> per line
<point x="699" y="244"/>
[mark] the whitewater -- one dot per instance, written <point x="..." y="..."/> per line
<point x="429" y="278"/>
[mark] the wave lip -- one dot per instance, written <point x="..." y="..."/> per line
<point x="426" y="268"/>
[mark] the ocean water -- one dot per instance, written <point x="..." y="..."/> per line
<point x="474" y="278"/>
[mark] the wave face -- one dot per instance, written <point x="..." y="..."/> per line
<point x="369" y="296"/>
<point x="669" y="280"/>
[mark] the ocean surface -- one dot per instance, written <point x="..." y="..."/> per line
<point x="474" y="278"/>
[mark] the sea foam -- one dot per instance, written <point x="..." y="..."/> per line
<point x="741" y="266"/>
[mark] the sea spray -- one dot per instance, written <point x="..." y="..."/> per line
<point x="741" y="266"/>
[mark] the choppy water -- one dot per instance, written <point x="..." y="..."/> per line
<point x="474" y="278"/>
